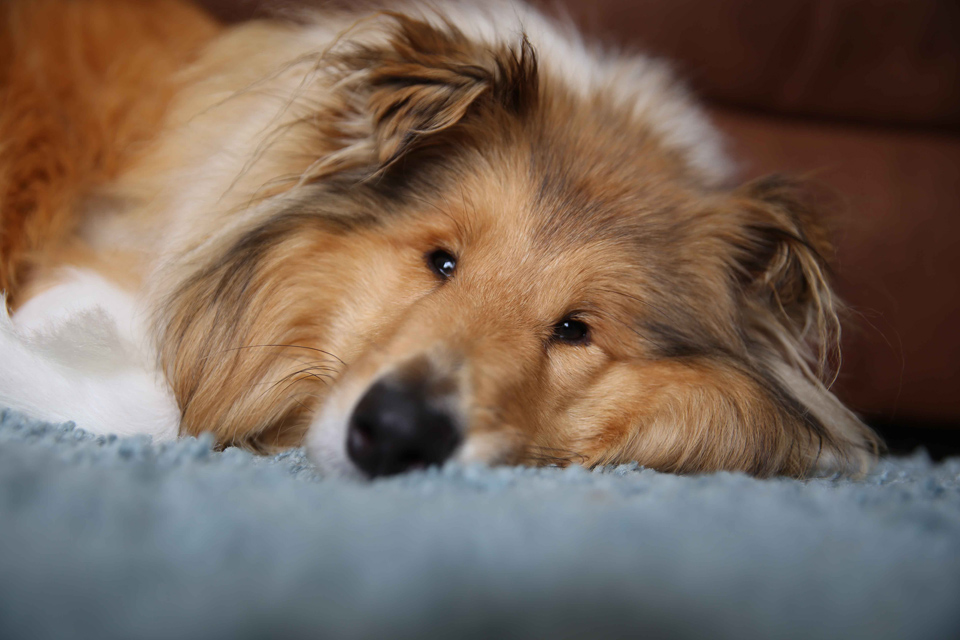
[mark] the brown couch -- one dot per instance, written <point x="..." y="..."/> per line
<point x="865" y="96"/>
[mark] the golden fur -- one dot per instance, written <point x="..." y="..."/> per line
<point x="82" y="84"/>
<point x="297" y="175"/>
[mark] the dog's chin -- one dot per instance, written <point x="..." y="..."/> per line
<point x="326" y="441"/>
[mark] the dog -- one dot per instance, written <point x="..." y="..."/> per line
<point x="399" y="237"/>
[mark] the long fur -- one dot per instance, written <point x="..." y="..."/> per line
<point x="267" y="194"/>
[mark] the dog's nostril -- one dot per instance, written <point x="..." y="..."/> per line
<point x="394" y="429"/>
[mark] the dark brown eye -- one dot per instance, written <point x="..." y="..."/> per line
<point x="571" y="331"/>
<point x="442" y="263"/>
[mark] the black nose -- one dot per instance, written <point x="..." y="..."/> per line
<point x="397" y="427"/>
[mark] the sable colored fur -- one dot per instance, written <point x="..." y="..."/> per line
<point x="273" y="199"/>
<point x="82" y="84"/>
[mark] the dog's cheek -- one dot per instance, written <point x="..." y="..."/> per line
<point x="251" y="348"/>
<point x="693" y="416"/>
<point x="595" y="426"/>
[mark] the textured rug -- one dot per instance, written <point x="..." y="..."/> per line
<point x="105" y="537"/>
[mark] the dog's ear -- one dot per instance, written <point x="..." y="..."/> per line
<point x="781" y="250"/>
<point x="791" y="314"/>
<point x="398" y="90"/>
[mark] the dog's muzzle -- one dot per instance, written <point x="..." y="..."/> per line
<point x="399" y="426"/>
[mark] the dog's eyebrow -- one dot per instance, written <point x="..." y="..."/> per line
<point x="671" y="341"/>
<point x="343" y="204"/>
<point x="667" y="329"/>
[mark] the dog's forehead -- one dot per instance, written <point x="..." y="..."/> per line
<point x="550" y="195"/>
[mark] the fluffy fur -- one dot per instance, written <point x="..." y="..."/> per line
<point x="265" y="197"/>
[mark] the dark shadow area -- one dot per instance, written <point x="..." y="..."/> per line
<point x="941" y="440"/>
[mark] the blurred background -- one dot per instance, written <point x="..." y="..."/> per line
<point x="863" y="96"/>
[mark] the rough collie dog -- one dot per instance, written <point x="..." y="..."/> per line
<point x="399" y="237"/>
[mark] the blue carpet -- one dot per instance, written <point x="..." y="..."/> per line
<point x="104" y="538"/>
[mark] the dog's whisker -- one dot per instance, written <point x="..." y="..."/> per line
<point x="276" y="346"/>
<point x="554" y="455"/>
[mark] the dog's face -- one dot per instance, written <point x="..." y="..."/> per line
<point x="496" y="268"/>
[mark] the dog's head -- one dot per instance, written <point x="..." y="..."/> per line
<point x="495" y="256"/>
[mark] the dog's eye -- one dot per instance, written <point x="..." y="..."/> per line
<point x="441" y="263"/>
<point x="571" y="331"/>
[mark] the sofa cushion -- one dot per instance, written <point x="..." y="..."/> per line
<point x="896" y="61"/>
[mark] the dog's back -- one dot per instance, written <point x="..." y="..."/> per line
<point x="83" y="85"/>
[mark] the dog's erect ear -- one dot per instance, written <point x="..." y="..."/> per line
<point x="398" y="90"/>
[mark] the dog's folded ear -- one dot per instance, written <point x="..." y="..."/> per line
<point x="397" y="89"/>
<point x="781" y="251"/>
<point x="791" y="311"/>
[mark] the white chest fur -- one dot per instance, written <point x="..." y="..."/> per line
<point x="79" y="351"/>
